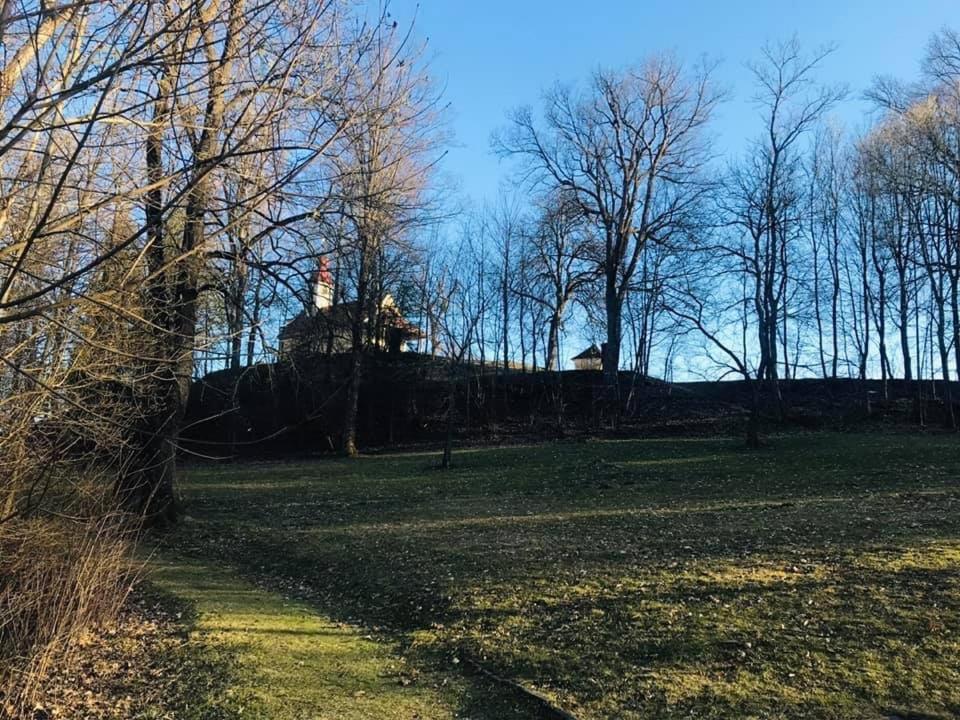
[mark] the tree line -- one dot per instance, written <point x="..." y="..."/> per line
<point x="817" y="252"/>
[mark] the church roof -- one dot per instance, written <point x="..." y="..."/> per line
<point x="591" y="353"/>
<point x="339" y="317"/>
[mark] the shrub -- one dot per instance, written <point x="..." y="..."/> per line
<point x="61" y="575"/>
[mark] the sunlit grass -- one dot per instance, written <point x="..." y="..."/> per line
<point x="292" y="663"/>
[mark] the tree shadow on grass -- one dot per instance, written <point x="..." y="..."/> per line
<point x="409" y="554"/>
<point x="189" y="679"/>
<point x="295" y="663"/>
<point x="854" y="605"/>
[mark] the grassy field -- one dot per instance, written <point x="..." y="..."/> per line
<point x="817" y="577"/>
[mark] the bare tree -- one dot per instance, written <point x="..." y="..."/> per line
<point x="460" y="302"/>
<point x="152" y="111"/>
<point x="628" y="152"/>
<point x="560" y="261"/>
<point x="387" y="155"/>
<point x="765" y="194"/>
<point x="716" y="309"/>
<point x="827" y="174"/>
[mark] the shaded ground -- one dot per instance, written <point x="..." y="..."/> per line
<point x="147" y="666"/>
<point x="626" y="579"/>
<point x="284" y="410"/>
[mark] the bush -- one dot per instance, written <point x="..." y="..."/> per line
<point x="60" y="576"/>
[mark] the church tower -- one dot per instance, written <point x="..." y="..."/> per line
<point x="323" y="286"/>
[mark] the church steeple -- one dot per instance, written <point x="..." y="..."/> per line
<point x="323" y="286"/>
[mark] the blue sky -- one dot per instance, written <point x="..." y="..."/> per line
<point x="493" y="55"/>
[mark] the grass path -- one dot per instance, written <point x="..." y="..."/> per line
<point x="292" y="663"/>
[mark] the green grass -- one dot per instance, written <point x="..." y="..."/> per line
<point x="817" y="577"/>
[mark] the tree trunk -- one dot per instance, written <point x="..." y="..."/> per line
<point x="254" y="323"/>
<point x="359" y="329"/>
<point x="881" y="314"/>
<point x="611" y="354"/>
<point x="451" y="406"/>
<point x="172" y="301"/>
<point x="904" y="312"/>
<point x="817" y="311"/>
<point x="753" y="422"/>
<point x="148" y="489"/>
<point x="552" y="342"/>
<point x="348" y="443"/>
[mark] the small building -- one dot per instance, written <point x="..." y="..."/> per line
<point x="589" y="359"/>
<point x="326" y="326"/>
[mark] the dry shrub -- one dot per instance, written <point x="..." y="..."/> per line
<point x="67" y="406"/>
<point x="65" y="409"/>
<point x="60" y="576"/>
